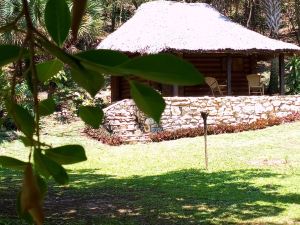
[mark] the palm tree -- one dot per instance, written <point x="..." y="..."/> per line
<point x="272" y="10"/>
<point x="92" y="25"/>
<point x="8" y="11"/>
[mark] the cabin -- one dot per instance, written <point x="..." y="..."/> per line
<point x="198" y="33"/>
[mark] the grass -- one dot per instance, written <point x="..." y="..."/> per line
<point x="253" y="179"/>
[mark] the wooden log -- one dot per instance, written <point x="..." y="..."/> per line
<point x="281" y="74"/>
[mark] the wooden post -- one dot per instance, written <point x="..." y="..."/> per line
<point x="281" y="74"/>
<point x="175" y="90"/>
<point x="204" y="116"/>
<point x="229" y="75"/>
<point x="115" y="88"/>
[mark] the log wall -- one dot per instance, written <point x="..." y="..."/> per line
<point x="213" y="66"/>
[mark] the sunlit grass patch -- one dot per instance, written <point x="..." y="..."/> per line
<point x="253" y="178"/>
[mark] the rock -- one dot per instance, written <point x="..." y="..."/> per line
<point x="183" y="112"/>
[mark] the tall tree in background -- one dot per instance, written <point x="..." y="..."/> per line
<point x="297" y="15"/>
<point x="272" y="10"/>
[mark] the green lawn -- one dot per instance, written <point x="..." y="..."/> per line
<point x="254" y="178"/>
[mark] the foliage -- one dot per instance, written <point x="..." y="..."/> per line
<point x="293" y="75"/>
<point x="24" y="96"/>
<point x="49" y="37"/>
<point x="4" y="87"/>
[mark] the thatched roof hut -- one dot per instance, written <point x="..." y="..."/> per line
<point x="198" y="33"/>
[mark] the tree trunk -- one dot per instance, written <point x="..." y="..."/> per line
<point x="297" y="13"/>
<point x="274" y="77"/>
<point x="250" y="14"/>
<point x="113" y="18"/>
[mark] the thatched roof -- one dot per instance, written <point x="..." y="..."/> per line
<point x="164" y="26"/>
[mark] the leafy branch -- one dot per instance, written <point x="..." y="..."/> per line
<point x="88" y="71"/>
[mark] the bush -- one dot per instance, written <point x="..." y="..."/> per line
<point x="23" y="98"/>
<point x="104" y="136"/>
<point x="293" y="78"/>
<point x="223" y="128"/>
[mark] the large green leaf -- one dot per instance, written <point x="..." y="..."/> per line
<point x="147" y="100"/>
<point x="55" y="170"/>
<point x="26" y="141"/>
<point x="91" y="115"/>
<point x="39" y="165"/>
<point x="23" y="119"/>
<point x="47" y="70"/>
<point x="68" y="154"/>
<point x="30" y="141"/>
<point x="58" y="20"/>
<point x="60" y="53"/>
<point x="91" y="81"/>
<point x="10" y="53"/>
<point x="163" y="68"/>
<point x="47" y="107"/>
<point x="104" y="57"/>
<point x="12" y="163"/>
<point x="42" y="185"/>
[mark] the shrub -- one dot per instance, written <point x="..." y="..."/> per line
<point x="223" y="128"/>
<point x="293" y="78"/>
<point x="104" y="136"/>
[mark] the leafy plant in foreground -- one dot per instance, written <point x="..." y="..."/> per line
<point x="88" y="71"/>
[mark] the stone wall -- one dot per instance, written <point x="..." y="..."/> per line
<point x="124" y="119"/>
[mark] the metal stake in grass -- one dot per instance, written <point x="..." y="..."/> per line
<point x="204" y="117"/>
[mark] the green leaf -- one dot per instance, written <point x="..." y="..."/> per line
<point x="104" y="57"/>
<point x="47" y="107"/>
<point x="23" y="119"/>
<point x="26" y="141"/>
<point x="91" y="81"/>
<point x="91" y="115"/>
<point x="147" y="100"/>
<point x="42" y="185"/>
<point x="12" y="163"/>
<point x="60" y="53"/>
<point x="39" y="165"/>
<point x="163" y="68"/>
<point x="58" y="20"/>
<point x="30" y="142"/>
<point x="47" y="70"/>
<point x="54" y="169"/>
<point x="10" y="53"/>
<point x="68" y="154"/>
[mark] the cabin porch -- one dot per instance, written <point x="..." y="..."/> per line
<point x="229" y="69"/>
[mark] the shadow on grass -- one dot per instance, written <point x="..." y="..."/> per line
<point x="181" y="197"/>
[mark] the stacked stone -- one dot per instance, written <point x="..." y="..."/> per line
<point x="185" y="112"/>
<point x="121" y="119"/>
